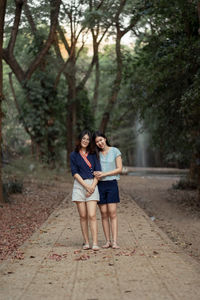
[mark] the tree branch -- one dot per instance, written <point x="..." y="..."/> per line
<point x="13" y="36"/>
<point x="80" y="49"/>
<point x="18" y="107"/>
<point x="12" y="62"/>
<point x="87" y="75"/>
<point x="30" y="18"/>
<point x="100" y="4"/>
<point x="131" y="25"/>
<point x="63" y="39"/>
<point x="55" y="6"/>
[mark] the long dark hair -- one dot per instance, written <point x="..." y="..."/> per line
<point x="94" y="136"/>
<point x="78" y="142"/>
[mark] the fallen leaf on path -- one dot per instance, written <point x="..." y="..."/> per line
<point x="43" y="231"/>
<point x="24" y="214"/>
<point x="34" y="242"/>
<point x="9" y="272"/>
<point x="58" y="257"/>
<point x="125" y="253"/>
<point x="18" y="255"/>
<point x="83" y="257"/>
<point x="77" y="251"/>
<point x="59" y="245"/>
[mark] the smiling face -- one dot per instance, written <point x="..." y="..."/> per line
<point x="85" y="141"/>
<point x="100" y="142"/>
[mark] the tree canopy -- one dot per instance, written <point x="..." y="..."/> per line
<point x="67" y="69"/>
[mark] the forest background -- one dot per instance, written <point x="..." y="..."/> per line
<point x="66" y="67"/>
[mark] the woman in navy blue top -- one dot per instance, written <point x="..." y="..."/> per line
<point x="85" y="191"/>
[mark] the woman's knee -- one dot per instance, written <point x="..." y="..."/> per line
<point x="113" y="215"/>
<point x="83" y="217"/>
<point x="104" y="215"/>
<point x="92" y="217"/>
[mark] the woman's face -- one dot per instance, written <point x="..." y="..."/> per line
<point x="85" y="141"/>
<point x="100" y="142"/>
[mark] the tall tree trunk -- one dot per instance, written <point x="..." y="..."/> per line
<point x="71" y="109"/>
<point x="96" y="87"/>
<point x="198" y="11"/>
<point x="2" y="17"/>
<point x="116" y="85"/>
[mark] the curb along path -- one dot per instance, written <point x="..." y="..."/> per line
<point x="51" y="265"/>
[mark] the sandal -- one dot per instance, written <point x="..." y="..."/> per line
<point x="107" y="245"/>
<point x="115" y="246"/>
<point x="86" y="246"/>
<point x="95" y="248"/>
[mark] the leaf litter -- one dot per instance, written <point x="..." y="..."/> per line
<point x="24" y="214"/>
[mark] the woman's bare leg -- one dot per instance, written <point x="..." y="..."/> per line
<point x="91" y="210"/>
<point x="112" y="212"/>
<point x="105" y="220"/>
<point x="82" y="209"/>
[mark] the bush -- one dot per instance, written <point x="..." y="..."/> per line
<point x="185" y="184"/>
<point x="11" y="187"/>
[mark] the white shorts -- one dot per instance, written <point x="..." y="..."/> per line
<point x="79" y="192"/>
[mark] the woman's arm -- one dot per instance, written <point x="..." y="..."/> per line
<point x="89" y="188"/>
<point x="95" y="181"/>
<point x="116" y="171"/>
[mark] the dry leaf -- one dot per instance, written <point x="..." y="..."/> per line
<point x="83" y="257"/>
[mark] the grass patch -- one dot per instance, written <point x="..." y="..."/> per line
<point x="27" y="168"/>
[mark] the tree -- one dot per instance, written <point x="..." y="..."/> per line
<point x="72" y="33"/>
<point x="41" y="45"/>
<point x="165" y="83"/>
<point x="122" y="9"/>
<point x="2" y="17"/>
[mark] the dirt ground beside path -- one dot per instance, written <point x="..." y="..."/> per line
<point x="175" y="211"/>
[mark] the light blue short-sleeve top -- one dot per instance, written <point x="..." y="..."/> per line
<point x="108" y="162"/>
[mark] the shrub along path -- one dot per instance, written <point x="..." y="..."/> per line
<point x="51" y="264"/>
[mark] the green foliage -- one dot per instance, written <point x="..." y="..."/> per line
<point x="120" y="129"/>
<point x="13" y="134"/>
<point x="42" y="107"/>
<point x="44" y="113"/>
<point x="161" y="77"/>
<point x="165" y="80"/>
<point x="85" y="118"/>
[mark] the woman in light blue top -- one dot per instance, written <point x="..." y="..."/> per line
<point x="111" y="166"/>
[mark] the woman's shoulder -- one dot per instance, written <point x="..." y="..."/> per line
<point x="116" y="150"/>
<point x="73" y="154"/>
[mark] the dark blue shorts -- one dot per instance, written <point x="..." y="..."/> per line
<point x="108" y="191"/>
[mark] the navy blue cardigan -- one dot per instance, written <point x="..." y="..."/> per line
<point x="79" y="166"/>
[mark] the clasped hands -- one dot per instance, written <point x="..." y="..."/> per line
<point x="98" y="174"/>
<point x="90" y="188"/>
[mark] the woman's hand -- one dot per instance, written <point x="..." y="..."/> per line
<point x="90" y="189"/>
<point x="98" y="174"/>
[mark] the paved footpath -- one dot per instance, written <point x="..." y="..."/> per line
<point x="50" y="265"/>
